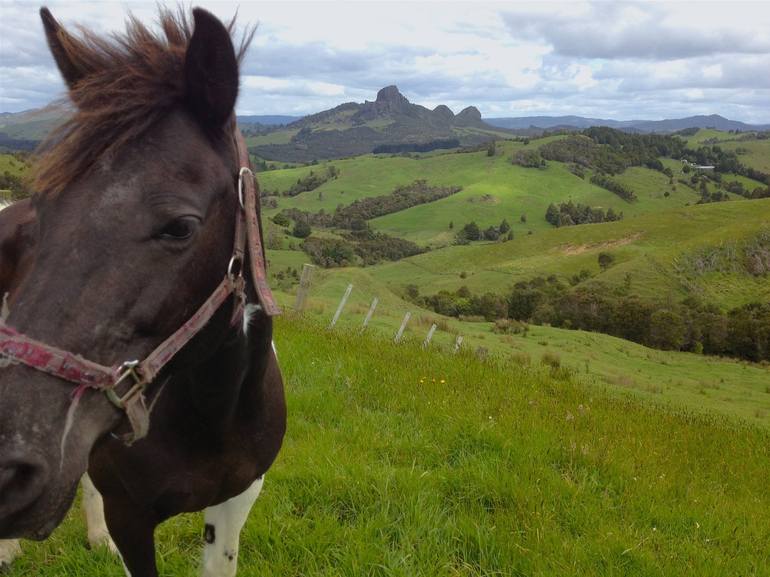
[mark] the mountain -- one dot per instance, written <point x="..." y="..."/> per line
<point x="670" y="125"/>
<point x="267" y="120"/>
<point x="388" y="124"/>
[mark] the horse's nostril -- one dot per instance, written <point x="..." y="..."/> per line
<point x="22" y="480"/>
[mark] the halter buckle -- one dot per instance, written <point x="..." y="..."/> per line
<point x="126" y="370"/>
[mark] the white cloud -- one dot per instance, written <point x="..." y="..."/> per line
<point x="628" y="60"/>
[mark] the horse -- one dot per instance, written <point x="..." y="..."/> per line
<point x="17" y="241"/>
<point x="146" y="244"/>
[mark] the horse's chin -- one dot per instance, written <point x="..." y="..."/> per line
<point x="38" y="521"/>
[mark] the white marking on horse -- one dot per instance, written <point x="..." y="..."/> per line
<point x="9" y="550"/>
<point x="93" y="506"/>
<point x="223" y="529"/>
<point x="68" y="422"/>
<point x="249" y="311"/>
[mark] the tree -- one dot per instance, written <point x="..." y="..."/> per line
<point x="605" y="260"/>
<point x="510" y="235"/>
<point x="491" y="233"/>
<point x="667" y="330"/>
<point x="281" y="219"/>
<point x="552" y="214"/>
<point x="504" y="227"/>
<point x="301" y="229"/>
<point x="491" y="149"/>
<point x="471" y="231"/>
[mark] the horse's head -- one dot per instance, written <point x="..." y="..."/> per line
<point x="136" y="203"/>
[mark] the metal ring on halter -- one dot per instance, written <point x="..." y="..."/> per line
<point x="244" y="170"/>
<point x="232" y="274"/>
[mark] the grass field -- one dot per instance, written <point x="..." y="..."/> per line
<point x="493" y="189"/>
<point x="694" y="382"/>
<point x="646" y="248"/>
<point x="404" y="462"/>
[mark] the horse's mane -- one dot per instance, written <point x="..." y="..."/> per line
<point x="131" y="80"/>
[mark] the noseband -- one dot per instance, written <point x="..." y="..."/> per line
<point x="86" y="374"/>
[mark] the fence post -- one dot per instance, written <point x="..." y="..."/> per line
<point x="428" y="338"/>
<point x="458" y="343"/>
<point x="304" y="287"/>
<point x="373" y="306"/>
<point x="403" y="326"/>
<point x="341" y="306"/>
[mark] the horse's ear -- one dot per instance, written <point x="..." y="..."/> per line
<point x="211" y="70"/>
<point x="58" y="41"/>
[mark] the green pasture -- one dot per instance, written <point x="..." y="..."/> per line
<point x="686" y="380"/>
<point x="493" y="189"/>
<point x="646" y="249"/>
<point x="405" y="462"/>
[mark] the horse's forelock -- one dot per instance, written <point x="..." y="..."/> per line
<point x="133" y="80"/>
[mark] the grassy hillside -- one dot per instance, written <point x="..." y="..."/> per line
<point x="12" y="165"/>
<point x="493" y="189"/>
<point x="694" y="382"/>
<point x="402" y="462"/>
<point x="646" y="248"/>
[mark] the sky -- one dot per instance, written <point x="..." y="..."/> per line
<point x="639" y="60"/>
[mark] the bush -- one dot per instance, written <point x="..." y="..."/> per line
<point x="470" y="232"/>
<point x="301" y="229"/>
<point x="551" y="359"/>
<point x="509" y="327"/>
<point x="528" y="158"/>
<point x="281" y="219"/>
<point x="606" y="260"/>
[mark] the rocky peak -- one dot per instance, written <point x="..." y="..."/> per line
<point x="389" y="98"/>
<point x="443" y="112"/>
<point x="469" y="115"/>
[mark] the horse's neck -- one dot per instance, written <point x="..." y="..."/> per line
<point x="232" y="374"/>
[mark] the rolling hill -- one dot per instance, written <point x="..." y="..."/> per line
<point x="713" y="121"/>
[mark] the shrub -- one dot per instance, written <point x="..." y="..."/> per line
<point x="551" y="359"/>
<point x="606" y="260"/>
<point x="301" y="229"/>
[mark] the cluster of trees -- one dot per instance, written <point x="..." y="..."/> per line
<point x="374" y="247"/>
<point x="358" y="247"/>
<point x="722" y="161"/>
<point x="613" y="186"/>
<point x="329" y="252"/>
<point x="312" y="181"/>
<point x="355" y="215"/>
<point x="15" y="184"/>
<point x="471" y="231"/>
<point x="743" y="332"/>
<point x="568" y="214"/>
<point x="612" y="151"/>
<point x="528" y="158"/>
<point x="437" y="144"/>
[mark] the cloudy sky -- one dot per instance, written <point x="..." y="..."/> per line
<point x="645" y="60"/>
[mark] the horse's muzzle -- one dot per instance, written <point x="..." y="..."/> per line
<point x="23" y="479"/>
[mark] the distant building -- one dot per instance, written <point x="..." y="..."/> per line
<point x="697" y="166"/>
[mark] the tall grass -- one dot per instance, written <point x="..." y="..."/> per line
<point x="403" y="462"/>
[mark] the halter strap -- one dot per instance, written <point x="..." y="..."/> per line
<point x="88" y="374"/>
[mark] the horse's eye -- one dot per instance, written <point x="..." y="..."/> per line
<point x="179" y="228"/>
